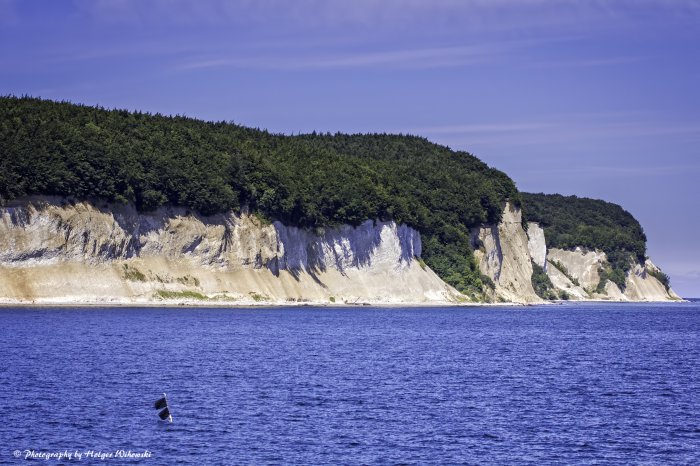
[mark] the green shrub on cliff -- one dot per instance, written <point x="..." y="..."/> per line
<point x="311" y="180"/>
<point x="617" y="276"/>
<point x="542" y="284"/>
<point x="660" y="276"/>
<point x="562" y="268"/>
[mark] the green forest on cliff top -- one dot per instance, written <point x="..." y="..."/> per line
<point x="312" y="180"/>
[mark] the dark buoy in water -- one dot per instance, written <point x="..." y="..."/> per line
<point x="162" y="404"/>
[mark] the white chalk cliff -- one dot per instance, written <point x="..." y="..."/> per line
<point x="54" y="251"/>
<point x="577" y="274"/>
<point x="503" y="255"/>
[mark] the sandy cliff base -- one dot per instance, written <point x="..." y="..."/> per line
<point x="156" y="281"/>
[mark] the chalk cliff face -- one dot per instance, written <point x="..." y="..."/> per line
<point x="582" y="265"/>
<point x="536" y="244"/>
<point x="503" y="255"/>
<point x="642" y="286"/>
<point x="577" y="273"/>
<point x="51" y="251"/>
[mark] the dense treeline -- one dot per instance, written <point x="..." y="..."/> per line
<point x="311" y="180"/>
<point x="571" y="221"/>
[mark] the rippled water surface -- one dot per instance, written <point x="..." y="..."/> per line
<point x="610" y="384"/>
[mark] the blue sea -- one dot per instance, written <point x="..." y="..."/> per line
<point x="566" y="384"/>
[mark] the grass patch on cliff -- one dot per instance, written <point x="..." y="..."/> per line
<point x="257" y="297"/>
<point x="166" y="294"/>
<point x="188" y="280"/>
<point x="562" y="268"/>
<point x="133" y="274"/>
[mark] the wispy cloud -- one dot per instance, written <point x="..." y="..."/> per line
<point x="127" y="51"/>
<point x="407" y="58"/>
<point x="563" y="130"/>
<point x="472" y="13"/>
<point x="686" y="270"/>
<point x="589" y="62"/>
<point x="617" y="171"/>
<point x="482" y="128"/>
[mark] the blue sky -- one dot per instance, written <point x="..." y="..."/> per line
<point x="594" y="98"/>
